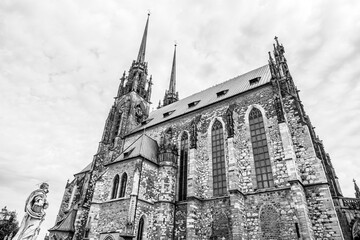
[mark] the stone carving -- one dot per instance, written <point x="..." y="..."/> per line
<point x="229" y="123"/>
<point x="279" y="110"/>
<point x="166" y="144"/>
<point x="193" y="132"/>
<point x="35" y="206"/>
<point x="139" y="114"/>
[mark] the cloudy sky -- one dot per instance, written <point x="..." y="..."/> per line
<point x="60" y="64"/>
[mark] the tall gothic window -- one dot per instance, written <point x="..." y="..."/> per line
<point x="123" y="185"/>
<point x="263" y="171"/>
<point x="218" y="159"/>
<point x="115" y="187"/>
<point x="184" y="146"/>
<point x="140" y="229"/>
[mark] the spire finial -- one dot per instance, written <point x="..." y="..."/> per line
<point x="141" y="55"/>
<point x="276" y="39"/>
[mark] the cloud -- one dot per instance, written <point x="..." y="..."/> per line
<point x="60" y="64"/>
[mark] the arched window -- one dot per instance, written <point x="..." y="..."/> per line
<point x="115" y="187"/>
<point x="269" y="223"/>
<point x="109" y="237"/>
<point x="184" y="146"/>
<point x="123" y="185"/>
<point x="218" y="159"/>
<point x="264" y="177"/>
<point x="140" y="229"/>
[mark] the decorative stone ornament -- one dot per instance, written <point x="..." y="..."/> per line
<point x="193" y="132"/>
<point x="229" y="123"/>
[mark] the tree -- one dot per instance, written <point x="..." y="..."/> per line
<point x="8" y="223"/>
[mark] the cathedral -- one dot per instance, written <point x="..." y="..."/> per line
<point x="239" y="160"/>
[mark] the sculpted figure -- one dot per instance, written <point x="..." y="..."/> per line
<point x="35" y="205"/>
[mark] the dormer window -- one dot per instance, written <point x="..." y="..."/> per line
<point x="254" y="81"/>
<point x="127" y="154"/>
<point x="168" y="113"/>
<point x="193" y="104"/>
<point x="222" y="93"/>
<point x="146" y="121"/>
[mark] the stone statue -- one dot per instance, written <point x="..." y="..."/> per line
<point x="229" y="123"/>
<point x="35" y="205"/>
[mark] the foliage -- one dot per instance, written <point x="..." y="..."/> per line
<point x="9" y="226"/>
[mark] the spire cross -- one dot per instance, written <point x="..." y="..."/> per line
<point x="276" y="39"/>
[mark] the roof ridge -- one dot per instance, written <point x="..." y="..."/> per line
<point x="256" y="69"/>
<point x="208" y="96"/>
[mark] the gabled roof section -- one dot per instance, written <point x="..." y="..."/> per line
<point x="67" y="223"/>
<point x="209" y="96"/>
<point x="143" y="146"/>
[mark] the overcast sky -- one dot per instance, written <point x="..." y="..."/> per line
<point x="60" y="64"/>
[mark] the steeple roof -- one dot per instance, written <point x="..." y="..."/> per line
<point x="171" y="95"/>
<point x="172" y="85"/>
<point x="141" y="55"/>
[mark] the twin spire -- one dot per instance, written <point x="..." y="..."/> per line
<point x="137" y="80"/>
<point x="171" y="95"/>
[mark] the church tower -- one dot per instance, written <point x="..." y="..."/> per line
<point x="132" y="102"/>
<point x="239" y="160"/>
<point x="171" y="95"/>
<point x="130" y="108"/>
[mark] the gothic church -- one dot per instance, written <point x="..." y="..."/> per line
<point x="239" y="160"/>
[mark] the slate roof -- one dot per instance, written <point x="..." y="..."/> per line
<point x="208" y="96"/>
<point x="143" y="146"/>
<point x="86" y="169"/>
<point x="67" y="223"/>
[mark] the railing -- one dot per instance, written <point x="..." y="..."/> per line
<point x="351" y="203"/>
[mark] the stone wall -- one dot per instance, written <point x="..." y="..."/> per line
<point x="113" y="215"/>
<point x="149" y="182"/>
<point x="145" y="210"/>
<point x="246" y="212"/>
<point x="273" y="209"/>
<point x="322" y="212"/>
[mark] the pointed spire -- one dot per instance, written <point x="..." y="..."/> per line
<point x="357" y="190"/>
<point x="141" y="55"/>
<point x="171" y="95"/>
<point x="172" y="85"/>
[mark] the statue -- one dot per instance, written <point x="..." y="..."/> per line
<point x="229" y="123"/>
<point x="35" y="205"/>
<point x="194" y="131"/>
